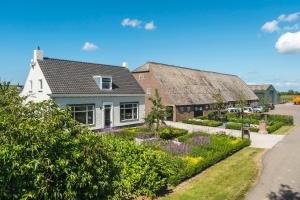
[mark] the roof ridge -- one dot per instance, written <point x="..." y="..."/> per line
<point x="199" y="70"/>
<point x="60" y="59"/>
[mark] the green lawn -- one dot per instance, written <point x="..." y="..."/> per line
<point x="229" y="179"/>
<point x="287" y="97"/>
<point x="283" y="130"/>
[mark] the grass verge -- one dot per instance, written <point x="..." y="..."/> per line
<point x="283" y="130"/>
<point x="229" y="179"/>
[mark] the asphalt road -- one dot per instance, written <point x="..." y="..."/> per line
<point x="280" y="175"/>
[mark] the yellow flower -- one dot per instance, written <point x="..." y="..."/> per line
<point x="193" y="160"/>
<point x="233" y="142"/>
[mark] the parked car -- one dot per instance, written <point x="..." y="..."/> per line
<point x="233" y="110"/>
<point x="258" y="109"/>
<point x="248" y="110"/>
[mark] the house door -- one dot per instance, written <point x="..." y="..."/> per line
<point x="107" y="116"/>
<point x="198" y="111"/>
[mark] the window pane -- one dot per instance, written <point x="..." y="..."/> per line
<point x="128" y="105"/>
<point x="80" y="117"/>
<point x="80" y="108"/>
<point x="128" y="114"/>
<point x="106" y="85"/>
<point x="90" y="117"/>
<point x="106" y="80"/>
<point x="135" y="111"/>
<point x="91" y="108"/>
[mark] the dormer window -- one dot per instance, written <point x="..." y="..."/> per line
<point x="104" y="82"/>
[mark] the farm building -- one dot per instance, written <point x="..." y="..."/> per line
<point x="266" y="91"/>
<point x="189" y="92"/>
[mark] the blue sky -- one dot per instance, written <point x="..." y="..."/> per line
<point x="230" y="36"/>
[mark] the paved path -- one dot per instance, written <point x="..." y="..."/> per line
<point x="257" y="140"/>
<point x="280" y="175"/>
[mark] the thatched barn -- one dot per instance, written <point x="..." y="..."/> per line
<point x="189" y="92"/>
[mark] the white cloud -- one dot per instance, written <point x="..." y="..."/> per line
<point x="289" y="18"/>
<point x="288" y="43"/>
<point x="131" y="22"/>
<point x="88" y="46"/>
<point x="287" y="84"/>
<point x="150" y="25"/>
<point x="270" y="27"/>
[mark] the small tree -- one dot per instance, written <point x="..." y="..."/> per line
<point x="241" y="103"/>
<point x="157" y="115"/>
<point x="219" y="102"/>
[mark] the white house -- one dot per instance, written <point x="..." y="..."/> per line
<point x="102" y="96"/>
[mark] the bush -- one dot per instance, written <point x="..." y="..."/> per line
<point x="220" y="146"/>
<point x="211" y="123"/>
<point x="142" y="171"/>
<point x="170" y="133"/>
<point x="275" y="126"/>
<point x="286" y="119"/>
<point x="254" y="129"/>
<point x="235" y="126"/>
<point x="45" y="154"/>
<point x="243" y="120"/>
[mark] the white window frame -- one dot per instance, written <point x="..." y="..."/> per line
<point x="72" y="106"/>
<point x="132" y="119"/>
<point x="99" y="82"/>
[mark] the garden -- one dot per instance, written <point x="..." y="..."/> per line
<point x="235" y="121"/>
<point x="46" y="154"/>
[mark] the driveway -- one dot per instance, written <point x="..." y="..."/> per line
<point x="257" y="140"/>
<point x="280" y="174"/>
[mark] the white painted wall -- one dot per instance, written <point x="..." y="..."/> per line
<point x="37" y="95"/>
<point x="99" y="101"/>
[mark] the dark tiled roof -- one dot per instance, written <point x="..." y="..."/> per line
<point x="262" y="87"/>
<point x="73" y="77"/>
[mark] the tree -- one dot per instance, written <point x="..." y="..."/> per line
<point x="157" y="115"/>
<point x="241" y="103"/>
<point x="219" y="104"/>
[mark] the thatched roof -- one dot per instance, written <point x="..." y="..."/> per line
<point x="260" y="88"/>
<point x="186" y="86"/>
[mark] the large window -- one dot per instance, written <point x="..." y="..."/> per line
<point x="83" y="113"/>
<point x="128" y="111"/>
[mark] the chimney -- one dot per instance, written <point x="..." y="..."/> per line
<point x="125" y="64"/>
<point x="38" y="54"/>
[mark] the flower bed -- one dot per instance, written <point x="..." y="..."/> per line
<point x="210" y="123"/>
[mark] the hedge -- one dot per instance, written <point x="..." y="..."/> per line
<point x="243" y="120"/>
<point x="170" y="133"/>
<point x="234" y="126"/>
<point x="275" y="126"/>
<point x="286" y="119"/>
<point x="210" y="123"/>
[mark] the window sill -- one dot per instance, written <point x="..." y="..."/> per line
<point x="129" y="120"/>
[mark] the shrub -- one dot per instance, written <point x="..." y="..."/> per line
<point x="275" y="126"/>
<point x="142" y="171"/>
<point x="254" y="129"/>
<point x="211" y="123"/>
<point x="45" y="154"/>
<point x="202" y="156"/>
<point x="170" y="133"/>
<point x="286" y="119"/>
<point x="235" y="126"/>
<point x="243" y="120"/>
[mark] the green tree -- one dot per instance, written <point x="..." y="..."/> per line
<point x="241" y="103"/>
<point x="219" y="104"/>
<point x="157" y="115"/>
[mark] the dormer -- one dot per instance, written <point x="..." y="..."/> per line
<point x="104" y="82"/>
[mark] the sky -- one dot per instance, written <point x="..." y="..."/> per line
<point x="258" y="40"/>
